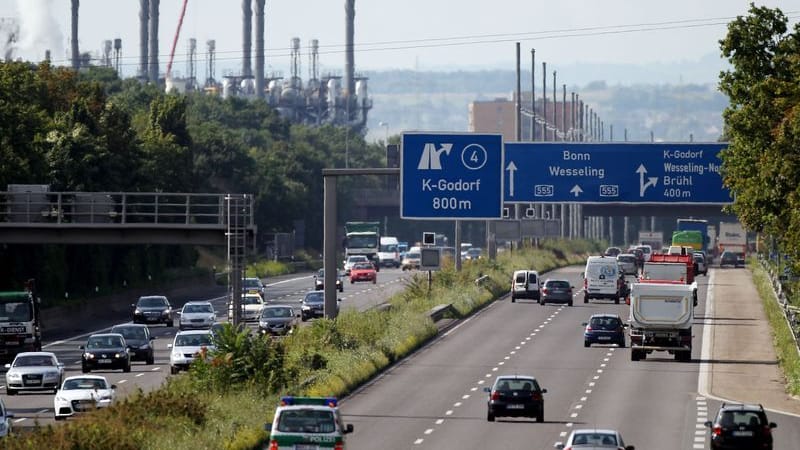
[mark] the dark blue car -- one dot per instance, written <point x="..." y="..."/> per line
<point x="604" y="329"/>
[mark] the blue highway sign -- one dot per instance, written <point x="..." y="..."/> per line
<point x="451" y="176"/>
<point x="569" y="172"/>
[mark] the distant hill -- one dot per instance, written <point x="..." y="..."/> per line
<point x="438" y="101"/>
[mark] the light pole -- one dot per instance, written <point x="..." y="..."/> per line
<point x="386" y="128"/>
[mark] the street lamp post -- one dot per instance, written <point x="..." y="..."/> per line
<point x="386" y="129"/>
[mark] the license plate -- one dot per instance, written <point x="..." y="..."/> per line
<point x="305" y="447"/>
<point x="742" y="433"/>
<point x="604" y="338"/>
<point x="515" y="406"/>
<point x="104" y="361"/>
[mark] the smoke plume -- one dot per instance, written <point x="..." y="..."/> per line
<point x="39" y="30"/>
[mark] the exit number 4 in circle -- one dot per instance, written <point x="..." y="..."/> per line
<point x="474" y="156"/>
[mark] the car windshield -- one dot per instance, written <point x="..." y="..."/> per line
<point x="362" y="266"/>
<point x="557" y="284"/>
<point x="306" y="421"/>
<point x="197" y="309"/>
<point x="391" y="248"/>
<point x="251" y="300"/>
<point x="314" y="297"/>
<point x="276" y="313"/>
<point x="516" y="384"/>
<point x="605" y="323"/>
<point x="104" y="342"/>
<point x="131" y="332"/>
<point x="192" y="340"/>
<point x="357" y="259"/>
<point x="740" y="419"/>
<point x="361" y="242"/>
<point x="34" y="360"/>
<point x="16" y="311"/>
<point x="595" y="439"/>
<point x="626" y="259"/>
<point x="85" y="383"/>
<point x="152" y="302"/>
<point x="413" y="255"/>
<point x="252" y="283"/>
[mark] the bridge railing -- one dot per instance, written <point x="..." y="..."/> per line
<point x="118" y="208"/>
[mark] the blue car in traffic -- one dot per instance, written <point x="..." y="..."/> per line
<point x="604" y="329"/>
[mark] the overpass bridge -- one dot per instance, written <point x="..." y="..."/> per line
<point x="124" y="218"/>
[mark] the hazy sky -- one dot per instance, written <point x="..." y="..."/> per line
<point x="424" y="34"/>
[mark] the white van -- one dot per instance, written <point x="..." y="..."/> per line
<point x="525" y="284"/>
<point x="389" y="253"/>
<point x="601" y="278"/>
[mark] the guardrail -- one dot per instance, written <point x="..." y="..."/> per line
<point x="112" y="209"/>
<point x="790" y="312"/>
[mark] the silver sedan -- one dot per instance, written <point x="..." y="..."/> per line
<point x="34" y="371"/>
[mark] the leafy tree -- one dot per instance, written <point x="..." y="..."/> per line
<point x="762" y="163"/>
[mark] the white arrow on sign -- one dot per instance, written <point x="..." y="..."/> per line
<point x="651" y="181"/>
<point x="576" y="190"/>
<point x="511" y="168"/>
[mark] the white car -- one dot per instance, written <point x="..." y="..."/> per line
<point x="5" y="420"/>
<point x="198" y="315"/>
<point x="83" y="393"/>
<point x="352" y="260"/>
<point x="185" y="348"/>
<point x="34" y="371"/>
<point x="594" y="439"/>
<point x="252" y="304"/>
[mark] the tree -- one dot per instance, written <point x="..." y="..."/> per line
<point x="762" y="123"/>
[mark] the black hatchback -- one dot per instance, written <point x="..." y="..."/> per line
<point x="153" y="309"/>
<point x="139" y="340"/>
<point x="105" y="351"/>
<point x="515" y="396"/>
<point x="740" y="426"/>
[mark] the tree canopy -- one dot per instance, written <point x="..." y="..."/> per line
<point x="762" y="123"/>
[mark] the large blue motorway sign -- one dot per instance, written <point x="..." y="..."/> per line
<point x="451" y="176"/>
<point x="568" y="172"/>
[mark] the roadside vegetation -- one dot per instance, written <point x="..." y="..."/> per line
<point x="782" y="338"/>
<point x="224" y="401"/>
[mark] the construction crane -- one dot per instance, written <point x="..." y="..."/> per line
<point x="175" y="41"/>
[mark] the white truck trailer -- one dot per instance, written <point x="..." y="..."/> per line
<point x="661" y="315"/>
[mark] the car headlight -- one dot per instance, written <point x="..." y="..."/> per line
<point x="60" y="399"/>
<point x="51" y="374"/>
<point x="137" y="311"/>
<point x="88" y="355"/>
<point x="165" y="312"/>
<point x="306" y="307"/>
<point x="14" y="375"/>
<point x="120" y="355"/>
<point x="144" y="347"/>
<point x="177" y="355"/>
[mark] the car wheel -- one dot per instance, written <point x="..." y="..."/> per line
<point x="585" y="298"/>
<point x="374" y="280"/>
<point x="540" y="417"/>
<point x="57" y="418"/>
<point x="569" y="303"/>
<point x="513" y="299"/>
<point x="10" y="392"/>
<point x="490" y="417"/>
<point x="174" y="370"/>
<point x="151" y="360"/>
<point x="169" y="323"/>
<point x="127" y="368"/>
<point x="621" y="343"/>
<point x="303" y="318"/>
<point x="341" y="288"/>
<point x="587" y="344"/>
<point x="85" y="369"/>
<point x="616" y="301"/>
<point x="351" y="281"/>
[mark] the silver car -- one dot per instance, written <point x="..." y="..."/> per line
<point x="197" y="315"/>
<point x="34" y="371"/>
<point x="5" y="420"/>
<point x="627" y="263"/>
<point x="594" y="439"/>
<point x="278" y="320"/>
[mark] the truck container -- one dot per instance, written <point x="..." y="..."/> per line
<point x="661" y="316"/>
<point x="696" y="225"/>
<point x="732" y="237"/>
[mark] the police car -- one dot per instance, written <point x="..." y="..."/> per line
<point x="307" y="423"/>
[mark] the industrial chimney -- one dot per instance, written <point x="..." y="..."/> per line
<point x="349" y="65"/>
<point x="76" y="56"/>
<point x="259" y="13"/>
<point x="247" y="24"/>
<point x="144" y="20"/>
<point x="153" y="42"/>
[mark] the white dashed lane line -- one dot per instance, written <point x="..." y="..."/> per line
<point x="449" y="412"/>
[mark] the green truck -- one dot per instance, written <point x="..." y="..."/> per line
<point x="20" y="322"/>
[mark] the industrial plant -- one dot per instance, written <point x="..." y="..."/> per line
<point x="322" y="99"/>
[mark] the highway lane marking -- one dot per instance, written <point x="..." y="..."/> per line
<point x="20" y="420"/>
<point x="456" y="404"/>
<point x="578" y="406"/>
<point x="155" y="369"/>
<point x="429" y="431"/>
<point x="480" y="381"/>
<point x="473" y="389"/>
<point x="418" y="441"/>
<point x="488" y="375"/>
<point x="43" y="411"/>
<point x="140" y="374"/>
<point x="506" y="357"/>
<point x="465" y="396"/>
<point x="449" y="412"/>
<point x="583" y="399"/>
<point x="122" y="381"/>
<point x="439" y="421"/>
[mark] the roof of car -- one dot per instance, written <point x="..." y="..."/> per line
<point x="516" y="377"/>
<point x="278" y="306"/>
<point x="91" y="377"/>
<point x="105" y="334"/>
<point x="185" y="332"/>
<point x="605" y="315"/>
<point x="197" y="302"/>
<point x="741" y="407"/>
<point x="128" y="325"/>
<point x="36" y="354"/>
<point x="594" y="430"/>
